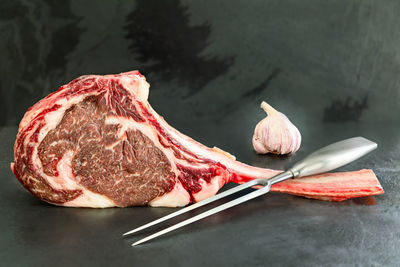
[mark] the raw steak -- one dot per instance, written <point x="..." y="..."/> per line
<point x="97" y="142"/>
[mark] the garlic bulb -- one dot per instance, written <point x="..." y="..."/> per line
<point x="275" y="134"/>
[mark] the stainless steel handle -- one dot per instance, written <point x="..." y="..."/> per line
<point x="333" y="156"/>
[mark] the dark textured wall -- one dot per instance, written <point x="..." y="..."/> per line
<point x="314" y="60"/>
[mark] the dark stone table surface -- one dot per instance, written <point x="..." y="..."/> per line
<point x="331" y="66"/>
<point x="275" y="229"/>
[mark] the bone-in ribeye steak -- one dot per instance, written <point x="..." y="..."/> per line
<point x="97" y="142"/>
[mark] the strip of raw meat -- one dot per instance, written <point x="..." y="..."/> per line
<point x="330" y="186"/>
<point x="97" y="142"/>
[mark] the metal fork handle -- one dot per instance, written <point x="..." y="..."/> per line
<point x="333" y="156"/>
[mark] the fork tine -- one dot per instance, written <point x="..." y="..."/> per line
<point x="198" y="204"/>
<point x="205" y="214"/>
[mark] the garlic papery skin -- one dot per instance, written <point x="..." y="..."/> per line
<point x="275" y="134"/>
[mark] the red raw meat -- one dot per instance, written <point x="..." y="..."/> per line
<point x="97" y="142"/>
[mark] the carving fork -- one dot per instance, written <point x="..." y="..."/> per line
<point x="323" y="160"/>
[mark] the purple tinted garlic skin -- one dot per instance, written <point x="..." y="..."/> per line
<point x="275" y="134"/>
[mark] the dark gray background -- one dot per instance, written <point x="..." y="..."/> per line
<point x="331" y="66"/>
<point x="340" y="59"/>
